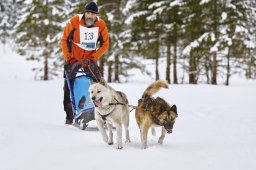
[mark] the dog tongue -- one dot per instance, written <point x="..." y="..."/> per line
<point x="98" y="103"/>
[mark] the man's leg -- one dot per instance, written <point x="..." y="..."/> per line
<point x="67" y="104"/>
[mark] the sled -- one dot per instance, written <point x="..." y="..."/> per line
<point x="82" y="105"/>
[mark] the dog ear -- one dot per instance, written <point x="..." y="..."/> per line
<point x="92" y="82"/>
<point x="103" y="82"/>
<point x="174" y="109"/>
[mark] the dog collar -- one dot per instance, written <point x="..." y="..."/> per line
<point x="104" y="117"/>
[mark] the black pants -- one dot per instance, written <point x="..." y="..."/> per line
<point x="66" y="101"/>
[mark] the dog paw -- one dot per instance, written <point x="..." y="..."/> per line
<point x="145" y="146"/>
<point x="119" y="147"/>
<point x="160" y="141"/>
<point x="127" y="141"/>
<point x="110" y="143"/>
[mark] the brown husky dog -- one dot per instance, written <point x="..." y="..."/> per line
<point x="152" y="112"/>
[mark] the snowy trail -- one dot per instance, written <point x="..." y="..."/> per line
<point x="215" y="128"/>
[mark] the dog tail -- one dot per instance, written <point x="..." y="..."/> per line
<point x="154" y="88"/>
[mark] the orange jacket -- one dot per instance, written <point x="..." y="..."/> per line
<point x="77" y="52"/>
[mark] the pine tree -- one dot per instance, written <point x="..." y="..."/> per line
<point x="248" y="37"/>
<point x="38" y="35"/>
<point x="231" y="32"/>
<point x="233" y="17"/>
<point x="170" y="22"/>
<point x="193" y="37"/>
<point x="119" y="58"/>
<point x="10" y="12"/>
<point x="146" y="30"/>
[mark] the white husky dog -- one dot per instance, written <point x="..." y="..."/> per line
<point x="111" y="107"/>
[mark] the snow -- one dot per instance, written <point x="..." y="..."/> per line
<point x="131" y="17"/>
<point x="204" y="2"/>
<point x="176" y="3"/>
<point x="156" y="4"/>
<point x="215" y="47"/>
<point x="215" y="128"/>
<point x="130" y="4"/>
<point x="241" y="29"/>
<point x="194" y="44"/>
<point x="224" y="15"/>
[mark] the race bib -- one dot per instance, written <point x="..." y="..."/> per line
<point x="88" y="38"/>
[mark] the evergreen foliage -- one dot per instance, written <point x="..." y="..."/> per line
<point x="10" y="11"/>
<point x="38" y="35"/>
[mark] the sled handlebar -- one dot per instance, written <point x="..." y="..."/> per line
<point x="83" y="64"/>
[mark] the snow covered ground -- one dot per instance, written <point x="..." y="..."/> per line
<point x="215" y="130"/>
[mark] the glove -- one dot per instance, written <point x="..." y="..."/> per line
<point x="68" y="64"/>
<point x="92" y="58"/>
<point x="72" y="60"/>
<point x="90" y="63"/>
<point x="68" y="67"/>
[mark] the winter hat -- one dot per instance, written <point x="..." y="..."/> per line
<point x="91" y="7"/>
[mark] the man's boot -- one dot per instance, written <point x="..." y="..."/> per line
<point x="69" y="113"/>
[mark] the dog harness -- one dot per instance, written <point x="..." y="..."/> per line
<point x="104" y="117"/>
<point x="117" y="102"/>
<point x="155" y="106"/>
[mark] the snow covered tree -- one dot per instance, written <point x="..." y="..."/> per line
<point x="249" y="39"/>
<point x="10" y="11"/>
<point x="116" y="57"/>
<point x="169" y="23"/>
<point x="233" y="31"/>
<point x="215" y="30"/>
<point x="38" y="35"/>
<point x="146" y="30"/>
<point x="193" y="37"/>
<point x="230" y="31"/>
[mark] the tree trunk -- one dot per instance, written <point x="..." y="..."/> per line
<point x="207" y="65"/>
<point x="228" y="67"/>
<point x="116" y="79"/>
<point x="250" y="75"/>
<point x="175" y="80"/>
<point x="46" y="75"/>
<point x="46" y="71"/>
<point x="192" y="69"/>
<point x="101" y="65"/>
<point x="110" y="71"/>
<point x="157" y="72"/>
<point x="168" y="64"/>
<point x="214" y="68"/>
<point x="249" y="72"/>
<point x="157" y="60"/>
<point x="4" y="33"/>
<point x="214" y="60"/>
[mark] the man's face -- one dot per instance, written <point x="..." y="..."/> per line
<point x="90" y="18"/>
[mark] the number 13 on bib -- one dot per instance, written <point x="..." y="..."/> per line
<point x="88" y="38"/>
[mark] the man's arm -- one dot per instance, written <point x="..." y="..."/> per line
<point x="64" y="43"/>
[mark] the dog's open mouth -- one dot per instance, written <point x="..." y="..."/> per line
<point x="98" y="103"/>
<point x="169" y="131"/>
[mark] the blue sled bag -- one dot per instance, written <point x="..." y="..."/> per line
<point x="84" y="107"/>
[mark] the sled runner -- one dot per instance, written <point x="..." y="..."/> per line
<point x="79" y="78"/>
